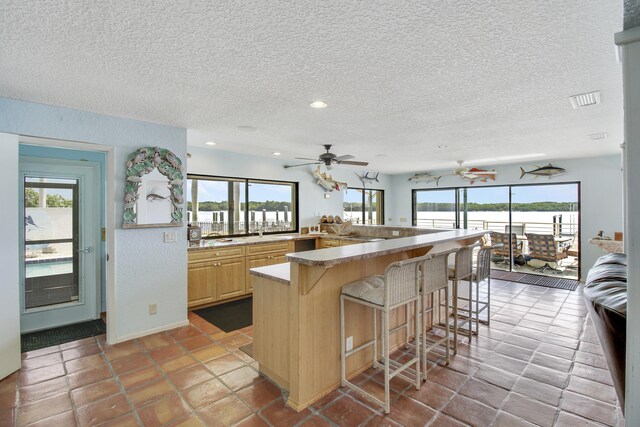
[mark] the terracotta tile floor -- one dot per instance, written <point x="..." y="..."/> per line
<point x="538" y="364"/>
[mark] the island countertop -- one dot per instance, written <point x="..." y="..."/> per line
<point x="333" y="256"/>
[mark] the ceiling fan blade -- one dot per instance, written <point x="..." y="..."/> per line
<point x="345" y="157"/>
<point x="305" y="158"/>
<point x="348" y="162"/>
<point x="303" y="164"/>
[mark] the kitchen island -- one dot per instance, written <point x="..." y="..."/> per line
<point x="296" y="317"/>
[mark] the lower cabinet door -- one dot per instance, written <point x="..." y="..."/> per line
<point x="230" y="277"/>
<point x="201" y="287"/>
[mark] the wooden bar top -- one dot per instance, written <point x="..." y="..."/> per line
<point x="333" y="256"/>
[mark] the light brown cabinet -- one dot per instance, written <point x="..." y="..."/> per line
<point x="230" y="278"/>
<point x="328" y="243"/>
<point x="266" y="254"/>
<point x="334" y="243"/>
<point x="219" y="274"/>
<point x="214" y="275"/>
<point x="201" y="284"/>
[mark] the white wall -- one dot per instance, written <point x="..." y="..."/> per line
<point x="630" y="42"/>
<point x="9" y="303"/>
<point x="601" y="194"/>
<point x="147" y="271"/>
<point x="312" y="204"/>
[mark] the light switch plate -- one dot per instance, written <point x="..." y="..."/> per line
<point x="169" y="236"/>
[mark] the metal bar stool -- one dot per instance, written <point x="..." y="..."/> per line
<point x="482" y="272"/>
<point x="462" y="271"/>
<point x="399" y="286"/>
<point x="435" y="282"/>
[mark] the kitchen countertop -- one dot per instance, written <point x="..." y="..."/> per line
<point x="271" y="238"/>
<point x="333" y="256"/>
<point x="277" y="272"/>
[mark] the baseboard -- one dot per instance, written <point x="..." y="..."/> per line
<point x="152" y="331"/>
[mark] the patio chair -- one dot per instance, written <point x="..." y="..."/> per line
<point x="517" y="229"/>
<point x="543" y="247"/>
<point x="502" y="252"/>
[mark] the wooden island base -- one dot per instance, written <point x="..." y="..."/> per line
<point x="296" y="316"/>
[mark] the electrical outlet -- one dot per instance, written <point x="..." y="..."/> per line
<point x="402" y="219"/>
<point x="153" y="309"/>
<point x="170" y="237"/>
<point x="395" y="232"/>
<point x="349" y="343"/>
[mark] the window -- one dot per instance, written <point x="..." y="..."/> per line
<point x="219" y="205"/>
<point x="513" y="210"/>
<point x="363" y="206"/>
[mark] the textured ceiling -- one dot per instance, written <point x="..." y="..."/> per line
<point x="486" y="78"/>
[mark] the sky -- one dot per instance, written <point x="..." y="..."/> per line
<point x="520" y="194"/>
<point x="217" y="191"/>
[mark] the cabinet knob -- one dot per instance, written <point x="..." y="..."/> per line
<point x="217" y="253"/>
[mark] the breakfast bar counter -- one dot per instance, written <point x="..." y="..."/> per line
<point x="296" y="316"/>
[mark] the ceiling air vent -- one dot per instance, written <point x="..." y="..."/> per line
<point x="585" y="99"/>
<point x="598" y="136"/>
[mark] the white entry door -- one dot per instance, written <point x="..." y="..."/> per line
<point x="60" y="236"/>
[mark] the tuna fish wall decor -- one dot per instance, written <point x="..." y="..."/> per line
<point x="548" y="171"/>
<point x="158" y="194"/>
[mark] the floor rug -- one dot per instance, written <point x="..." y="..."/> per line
<point x="537" y="280"/>
<point x="229" y="316"/>
<point x="47" y="338"/>
<point x="247" y="349"/>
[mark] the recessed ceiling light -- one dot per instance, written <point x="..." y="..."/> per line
<point x="318" y="104"/>
<point x="442" y="146"/>
<point x="276" y="153"/>
<point x="210" y="143"/>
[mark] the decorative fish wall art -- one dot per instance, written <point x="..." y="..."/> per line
<point x="548" y="170"/>
<point x="425" y="177"/>
<point x="475" y="174"/>
<point x="325" y="181"/>
<point x="368" y="177"/>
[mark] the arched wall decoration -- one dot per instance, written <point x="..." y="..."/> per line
<point x="159" y="196"/>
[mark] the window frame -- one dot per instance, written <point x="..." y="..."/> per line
<point x="247" y="181"/>
<point x="381" y="203"/>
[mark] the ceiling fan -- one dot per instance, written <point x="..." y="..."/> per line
<point x="328" y="159"/>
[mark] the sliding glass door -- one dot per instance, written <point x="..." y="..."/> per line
<point x="538" y="224"/>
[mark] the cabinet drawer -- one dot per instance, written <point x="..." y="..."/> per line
<point x="330" y="243"/>
<point x="216" y="253"/>
<point x="263" y="248"/>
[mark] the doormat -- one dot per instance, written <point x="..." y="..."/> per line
<point x="64" y="334"/>
<point x="229" y="316"/>
<point x="247" y="349"/>
<point x="537" y="280"/>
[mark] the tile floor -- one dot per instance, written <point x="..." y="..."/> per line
<point x="538" y="364"/>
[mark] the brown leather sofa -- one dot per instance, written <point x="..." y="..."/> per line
<point x="605" y="292"/>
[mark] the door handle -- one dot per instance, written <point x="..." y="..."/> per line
<point x="87" y="250"/>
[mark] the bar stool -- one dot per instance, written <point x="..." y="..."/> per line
<point x="435" y="282"/>
<point x="399" y="286"/>
<point x="482" y="272"/>
<point x="462" y="271"/>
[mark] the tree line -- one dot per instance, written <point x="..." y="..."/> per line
<point x="269" y="205"/>
<point x="32" y="200"/>
<point x="499" y="207"/>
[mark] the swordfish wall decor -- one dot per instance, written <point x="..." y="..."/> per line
<point x="153" y="189"/>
